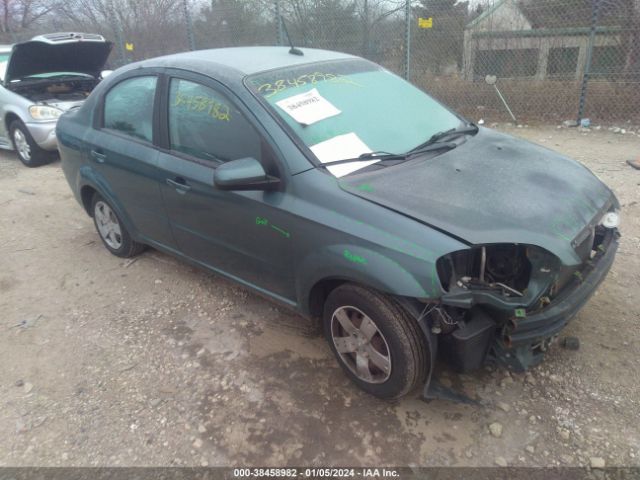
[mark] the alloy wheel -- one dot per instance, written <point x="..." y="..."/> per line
<point x="361" y="345"/>
<point x="108" y="225"/>
<point x="22" y="146"/>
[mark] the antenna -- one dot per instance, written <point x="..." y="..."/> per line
<point x="293" y="50"/>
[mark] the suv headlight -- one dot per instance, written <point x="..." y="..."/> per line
<point x="44" y="112"/>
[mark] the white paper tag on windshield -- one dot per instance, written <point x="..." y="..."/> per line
<point x="341" y="148"/>
<point x="308" y="108"/>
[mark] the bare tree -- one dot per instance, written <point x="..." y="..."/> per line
<point x="322" y="23"/>
<point x="235" y="22"/>
<point x="371" y="13"/>
<point x="18" y="17"/>
<point x="151" y="27"/>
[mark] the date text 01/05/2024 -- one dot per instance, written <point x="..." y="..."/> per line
<point x="316" y="472"/>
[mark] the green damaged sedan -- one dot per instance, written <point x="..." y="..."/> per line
<point x="336" y="188"/>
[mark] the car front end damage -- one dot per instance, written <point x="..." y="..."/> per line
<point x="540" y="234"/>
<point x="507" y="303"/>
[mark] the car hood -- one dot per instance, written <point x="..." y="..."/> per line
<point x="494" y="188"/>
<point x="36" y="57"/>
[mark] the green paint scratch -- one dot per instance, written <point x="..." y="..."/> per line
<point x="354" y="258"/>
<point x="263" y="222"/>
<point x="283" y="232"/>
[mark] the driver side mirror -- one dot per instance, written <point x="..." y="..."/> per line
<point x="243" y="174"/>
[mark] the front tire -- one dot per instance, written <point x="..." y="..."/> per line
<point x="112" y="232"/>
<point x="377" y="343"/>
<point x="28" y="151"/>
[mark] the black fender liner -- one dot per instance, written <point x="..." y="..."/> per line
<point x="432" y="389"/>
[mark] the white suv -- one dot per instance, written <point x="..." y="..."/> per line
<point x="41" y="79"/>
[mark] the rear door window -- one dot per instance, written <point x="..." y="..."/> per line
<point x="128" y="107"/>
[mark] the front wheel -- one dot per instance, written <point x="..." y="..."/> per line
<point x="377" y="343"/>
<point x="112" y="232"/>
<point x="28" y="151"/>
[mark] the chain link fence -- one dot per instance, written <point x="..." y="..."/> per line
<point x="552" y="60"/>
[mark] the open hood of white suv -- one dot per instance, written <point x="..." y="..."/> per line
<point x="58" y="52"/>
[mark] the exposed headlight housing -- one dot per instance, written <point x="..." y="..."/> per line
<point x="506" y="270"/>
<point x="503" y="267"/>
<point x="44" y="112"/>
<point x="610" y="220"/>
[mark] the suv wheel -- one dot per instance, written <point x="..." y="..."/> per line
<point x="28" y="151"/>
<point x="112" y="232"/>
<point x="377" y="343"/>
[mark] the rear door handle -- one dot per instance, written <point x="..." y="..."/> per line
<point x="179" y="184"/>
<point x="98" y="156"/>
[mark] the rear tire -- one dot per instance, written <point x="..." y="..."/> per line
<point x="28" y="151"/>
<point x="386" y="355"/>
<point x="113" y="233"/>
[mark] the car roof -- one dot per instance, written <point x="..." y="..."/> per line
<point x="242" y="61"/>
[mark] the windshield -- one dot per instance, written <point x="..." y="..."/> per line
<point x="343" y="109"/>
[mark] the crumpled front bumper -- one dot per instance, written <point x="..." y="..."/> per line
<point x="519" y="342"/>
<point x="524" y="340"/>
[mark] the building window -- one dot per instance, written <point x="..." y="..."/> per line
<point x="607" y="61"/>
<point x="562" y="62"/>
<point x="522" y="62"/>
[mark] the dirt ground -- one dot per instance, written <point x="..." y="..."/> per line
<point x="110" y="362"/>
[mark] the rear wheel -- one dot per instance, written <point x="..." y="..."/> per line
<point x="377" y="343"/>
<point x="28" y="151"/>
<point x="112" y="232"/>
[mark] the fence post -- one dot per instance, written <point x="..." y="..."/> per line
<point x="407" y="49"/>
<point x="117" y="30"/>
<point x="595" y="14"/>
<point x="187" y="19"/>
<point x="278" y="23"/>
<point x="365" y="30"/>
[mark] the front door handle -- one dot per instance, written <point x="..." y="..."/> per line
<point x="179" y="184"/>
<point x="98" y="156"/>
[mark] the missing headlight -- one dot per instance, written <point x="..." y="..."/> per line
<point x="504" y="268"/>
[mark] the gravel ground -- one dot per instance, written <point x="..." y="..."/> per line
<point x="152" y="362"/>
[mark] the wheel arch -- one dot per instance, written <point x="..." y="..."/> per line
<point x="322" y="271"/>
<point x="319" y="293"/>
<point x="9" y="118"/>
<point x="89" y="183"/>
<point x="86" y="195"/>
